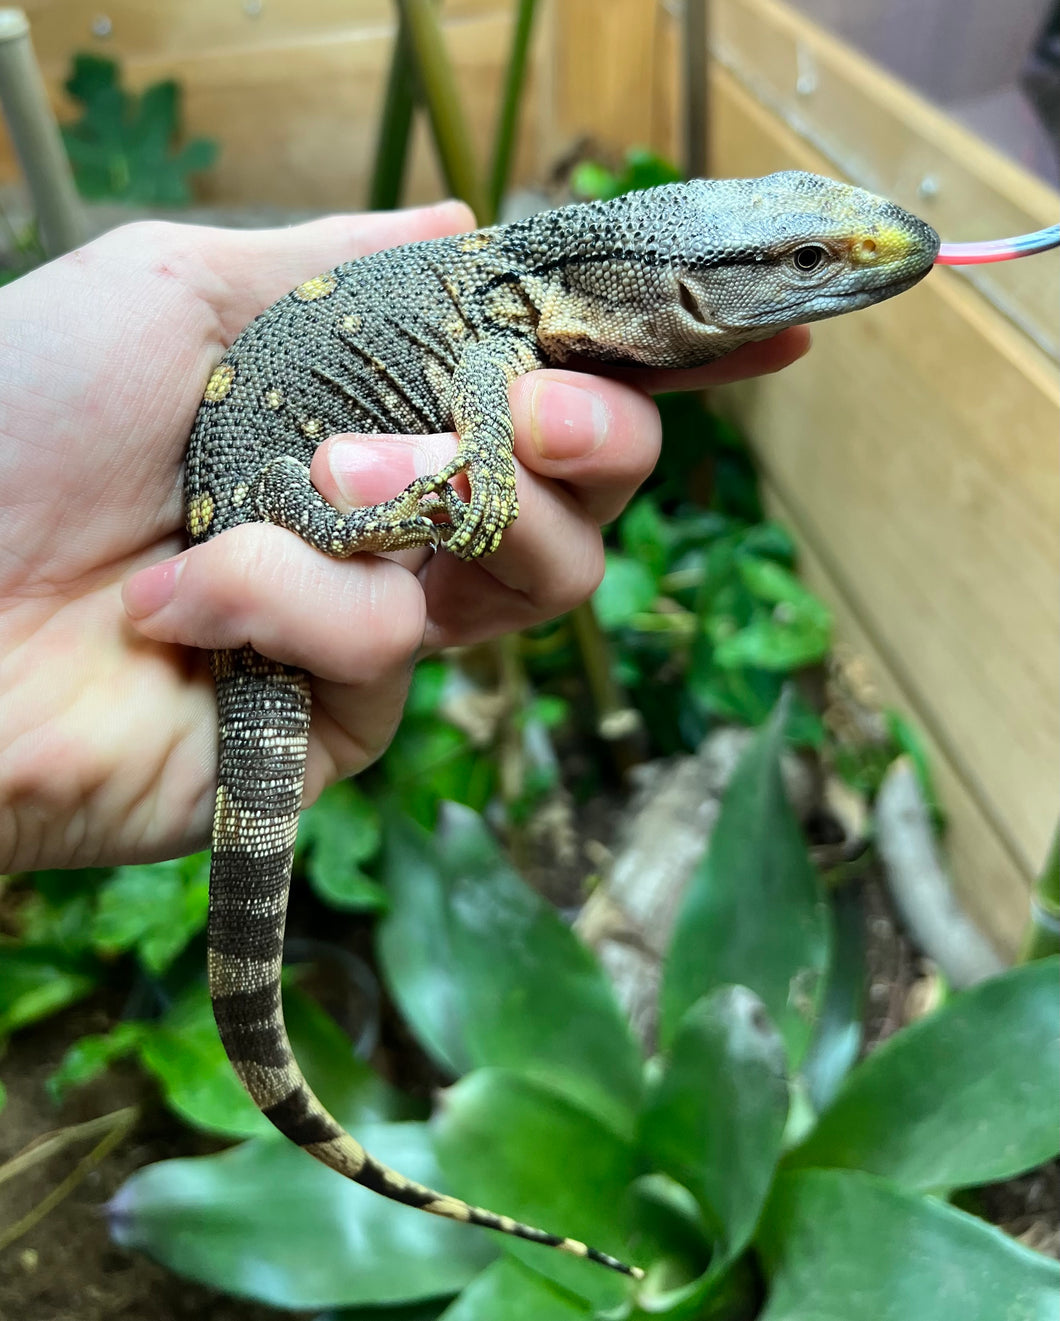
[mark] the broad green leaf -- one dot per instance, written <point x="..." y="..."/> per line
<point x="185" y="1054"/>
<point x="487" y="974"/>
<point x="511" y="1144"/>
<point x="796" y="632"/>
<point x="714" y="1121"/>
<point x="628" y="588"/>
<point x="669" y="1232"/>
<point x="837" y="1040"/>
<point x="266" y="1221"/>
<point x="839" y="1245"/>
<point x="645" y="535"/>
<point x="59" y="910"/>
<point x="773" y="643"/>
<point x="508" y="1291"/>
<point x="335" y="836"/>
<point x="968" y="1095"/>
<point x="91" y="1055"/>
<point x="754" y="914"/>
<point x="431" y="761"/>
<point x="154" y="908"/>
<point x="34" y="984"/>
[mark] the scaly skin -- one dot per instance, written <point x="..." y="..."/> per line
<point x="426" y="338"/>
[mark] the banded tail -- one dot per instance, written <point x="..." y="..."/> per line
<point x="264" y="729"/>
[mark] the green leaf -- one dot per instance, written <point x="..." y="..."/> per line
<point x="646" y="535"/>
<point x="336" y="835"/>
<point x="839" y="1245"/>
<point x="837" y="1040"/>
<point x="513" y="1145"/>
<point x="508" y="1291"/>
<point x="796" y="632"/>
<point x="431" y="761"/>
<point x="154" y="909"/>
<point x="628" y="588"/>
<point x="90" y="1056"/>
<point x="185" y="1054"/>
<point x="266" y="1221"/>
<point x="487" y="974"/>
<point x="34" y="984"/>
<point x="968" y="1095"/>
<point x="716" y="1118"/>
<point x="773" y="643"/>
<point x="754" y="913"/>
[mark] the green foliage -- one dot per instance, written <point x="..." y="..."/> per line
<point x="695" y="1175"/>
<point x="642" y="168"/>
<point x="701" y="606"/>
<point x="123" y="147"/>
<point x="756" y="865"/>
<point x="337" y="835"/>
<point x="153" y="910"/>
<point x="545" y="1007"/>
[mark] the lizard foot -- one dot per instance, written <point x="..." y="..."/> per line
<point x="475" y="527"/>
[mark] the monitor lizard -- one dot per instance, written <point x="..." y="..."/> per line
<point x="426" y="338"/>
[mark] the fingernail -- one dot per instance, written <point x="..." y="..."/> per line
<point x="149" y="590"/>
<point x="366" y="472"/>
<point x="566" y="421"/>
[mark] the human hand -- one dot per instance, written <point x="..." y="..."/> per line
<point x="107" y="720"/>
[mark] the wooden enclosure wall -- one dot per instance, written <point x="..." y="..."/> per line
<point x="292" y="89"/>
<point x="913" y="452"/>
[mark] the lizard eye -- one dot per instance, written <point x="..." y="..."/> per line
<point x="808" y="258"/>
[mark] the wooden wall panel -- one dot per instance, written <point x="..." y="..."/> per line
<point x="887" y="138"/>
<point x="914" y="452"/>
<point x="293" y="95"/>
<point x="612" y="77"/>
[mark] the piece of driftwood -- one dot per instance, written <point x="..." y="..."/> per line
<point x="920" y="886"/>
<point x="629" y="917"/>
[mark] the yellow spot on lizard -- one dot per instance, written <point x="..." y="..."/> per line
<point x="239" y="494"/>
<point x="200" y="513"/>
<point x="475" y="242"/>
<point x="219" y="383"/>
<point x="273" y="399"/>
<point x="318" y="287"/>
<point x="312" y="426"/>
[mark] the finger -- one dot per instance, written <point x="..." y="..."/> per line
<point x="549" y="560"/>
<point x="348" y="621"/>
<point x="760" y="359"/>
<point x="600" y="438"/>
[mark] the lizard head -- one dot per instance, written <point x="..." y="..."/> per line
<point x="696" y="269"/>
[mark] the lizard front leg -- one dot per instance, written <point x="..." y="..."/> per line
<point x="482" y="417"/>
<point x="483" y="421"/>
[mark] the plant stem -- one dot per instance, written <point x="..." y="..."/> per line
<point x="395" y="125"/>
<point x="1043" y="930"/>
<point x="35" y="135"/>
<point x="437" y="83"/>
<point x="508" y="119"/>
<point x="114" y="1128"/>
<point x="618" y="722"/>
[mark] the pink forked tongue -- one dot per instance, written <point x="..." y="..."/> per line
<point x="974" y="254"/>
